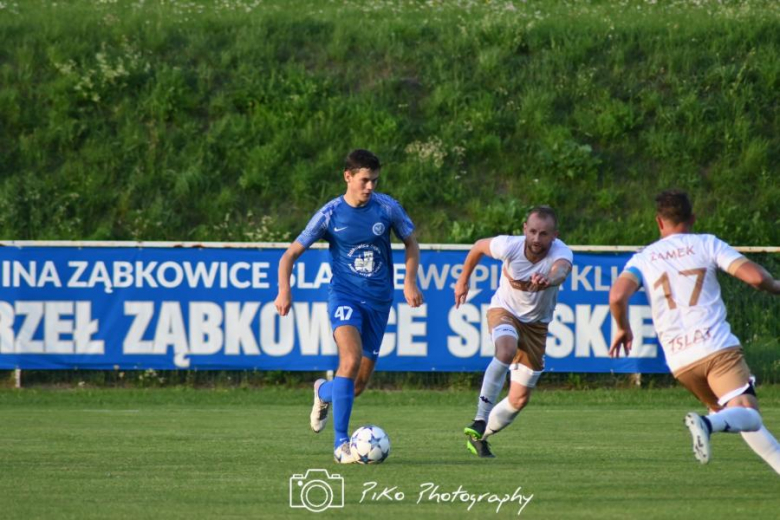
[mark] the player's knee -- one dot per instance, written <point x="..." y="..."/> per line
<point x="506" y="347"/>
<point x="349" y="367"/>
<point x="505" y="355"/>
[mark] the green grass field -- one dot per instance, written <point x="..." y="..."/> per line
<point x="181" y="453"/>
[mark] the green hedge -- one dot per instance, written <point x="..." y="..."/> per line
<point x="204" y="120"/>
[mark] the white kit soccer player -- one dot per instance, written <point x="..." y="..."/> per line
<point x="527" y="306"/>
<point x="679" y="274"/>
<point x="534" y="266"/>
<point x="684" y="294"/>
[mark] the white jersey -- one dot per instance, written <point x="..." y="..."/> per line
<point x="679" y="275"/>
<point x="528" y="307"/>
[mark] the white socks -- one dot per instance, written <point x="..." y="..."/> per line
<point x="492" y="383"/>
<point x="501" y="417"/>
<point x="734" y="420"/>
<point x="748" y="423"/>
<point x="765" y="446"/>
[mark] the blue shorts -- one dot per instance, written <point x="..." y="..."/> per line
<point x="369" y="322"/>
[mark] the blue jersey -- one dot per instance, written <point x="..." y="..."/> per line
<point x="359" y="238"/>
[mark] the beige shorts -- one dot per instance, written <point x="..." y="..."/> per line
<point x="531" y="341"/>
<point x="717" y="378"/>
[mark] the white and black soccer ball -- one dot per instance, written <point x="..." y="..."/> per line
<point x="370" y="444"/>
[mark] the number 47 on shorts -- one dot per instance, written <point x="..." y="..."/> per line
<point x="343" y="313"/>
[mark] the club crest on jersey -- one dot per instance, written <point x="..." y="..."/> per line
<point x="366" y="260"/>
<point x="365" y="263"/>
<point x="378" y="228"/>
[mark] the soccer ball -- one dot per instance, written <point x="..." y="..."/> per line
<point x="370" y="444"/>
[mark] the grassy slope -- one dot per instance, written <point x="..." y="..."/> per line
<point x="192" y="120"/>
<point x="196" y="454"/>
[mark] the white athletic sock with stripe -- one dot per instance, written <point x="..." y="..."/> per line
<point x="501" y="417"/>
<point x="492" y="383"/>
<point x="765" y="446"/>
<point x="735" y="419"/>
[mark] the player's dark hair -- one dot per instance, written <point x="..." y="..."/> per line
<point x="359" y="159"/>
<point x="544" y="212"/>
<point x="674" y="206"/>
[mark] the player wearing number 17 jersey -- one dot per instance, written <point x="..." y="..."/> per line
<point x="679" y="275"/>
<point x="357" y="226"/>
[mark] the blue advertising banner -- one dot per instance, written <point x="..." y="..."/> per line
<point x="212" y="309"/>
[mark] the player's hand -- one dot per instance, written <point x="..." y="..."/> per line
<point x="623" y="338"/>
<point x="539" y="282"/>
<point x="461" y="293"/>
<point x="413" y="295"/>
<point x="283" y="302"/>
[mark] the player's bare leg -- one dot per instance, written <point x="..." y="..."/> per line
<point x="364" y="374"/>
<point x="350" y="348"/>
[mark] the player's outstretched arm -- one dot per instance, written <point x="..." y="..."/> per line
<point x="754" y="274"/>
<point x="478" y="250"/>
<point x="411" y="291"/>
<point x="558" y="273"/>
<point x="623" y="288"/>
<point x="283" y="300"/>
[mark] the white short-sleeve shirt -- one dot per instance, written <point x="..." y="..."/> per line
<point x="679" y="276"/>
<point x="528" y="307"/>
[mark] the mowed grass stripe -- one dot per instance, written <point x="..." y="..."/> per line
<point x="232" y="458"/>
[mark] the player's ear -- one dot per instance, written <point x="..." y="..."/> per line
<point x="347" y="175"/>
<point x="660" y="222"/>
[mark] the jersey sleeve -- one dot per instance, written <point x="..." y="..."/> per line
<point x="726" y="257"/>
<point x="562" y="252"/>
<point x="500" y="247"/>
<point x="401" y="223"/>
<point x="633" y="271"/>
<point x="315" y="229"/>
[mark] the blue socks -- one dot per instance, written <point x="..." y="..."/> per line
<point x="343" y="395"/>
<point x="325" y="391"/>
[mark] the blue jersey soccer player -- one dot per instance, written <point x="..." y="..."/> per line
<point x="357" y="226"/>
